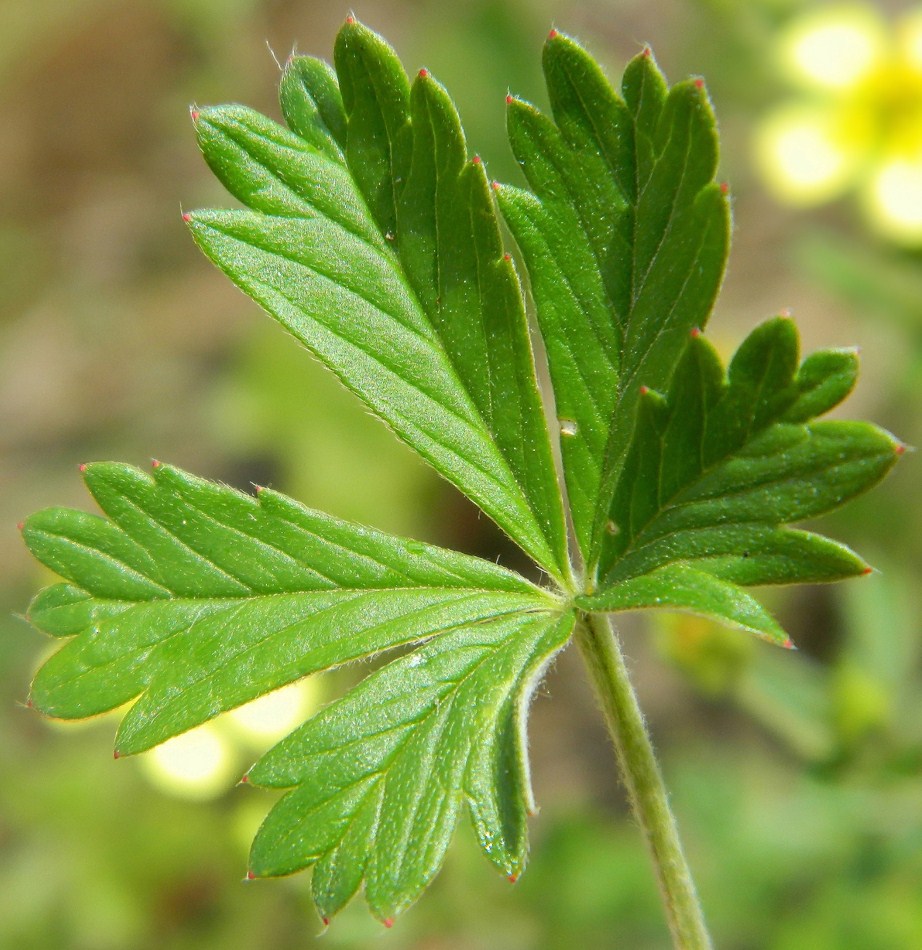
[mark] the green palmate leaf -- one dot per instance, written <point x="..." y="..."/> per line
<point x="372" y="237"/>
<point x="683" y="587"/>
<point x="370" y="234"/>
<point x="720" y="465"/>
<point x="198" y="598"/>
<point x="625" y="235"/>
<point x="381" y="775"/>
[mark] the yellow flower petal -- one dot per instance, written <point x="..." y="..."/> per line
<point x="893" y="200"/>
<point x="833" y="47"/>
<point x="909" y="38"/>
<point x="805" y="154"/>
<point x="269" y="718"/>
<point x="196" y="765"/>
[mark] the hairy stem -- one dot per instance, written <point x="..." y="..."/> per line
<point x="643" y="780"/>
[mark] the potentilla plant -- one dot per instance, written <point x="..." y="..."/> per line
<point x="372" y="235"/>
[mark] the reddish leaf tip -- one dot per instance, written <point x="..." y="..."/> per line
<point x="507" y="257"/>
<point x="28" y="703"/>
<point x="647" y="52"/>
<point x="553" y="35"/>
<point x="785" y="313"/>
<point x="116" y="754"/>
<point x="388" y="922"/>
<point x="644" y="390"/>
<point x="251" y="876"/>
<point x="509" y="99"/>
<point x="155" y="463"/>
<point x="867" y="570"/>
<point x="512" y="878"/>
<point x="900" y="448"/>
<point x="186" y="217"/>
<point x="82" y="467"/>
<point x="423" y="74"/>
<point x="245" y="779"/>
<point x="20" y="525"/>
<point x="326" y="921"/>
<point x="695" y="332"/>
<point x="496" y="186"/>
<point x="789" y="644"/>
<point x="699" y="84"/>
<point x="350" y="20"/>
<point x="725" y="188"/>
<point x="476" y="160"/>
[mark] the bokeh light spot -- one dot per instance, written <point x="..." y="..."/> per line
<point x="273" y="716"/>
<point x="802" y="155"/>
<point x="894" y="200"/>
<point x="196" y="765"/>
<point x="835" y="47"/>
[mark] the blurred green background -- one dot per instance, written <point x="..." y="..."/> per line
<point x="797" y="778"/>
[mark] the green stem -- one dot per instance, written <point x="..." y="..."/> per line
<point x="644" y="782"/>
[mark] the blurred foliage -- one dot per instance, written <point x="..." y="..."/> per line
<point x="797" y="779"/>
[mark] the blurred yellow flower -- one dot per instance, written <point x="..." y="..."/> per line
<point x="207" y="761"/>
<point x="858" y="123"/>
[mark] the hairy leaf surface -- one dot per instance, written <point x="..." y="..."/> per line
<point x="372" y="237"/>
<point x="370" y="234"/>
<point x="198" y="598"/>
<point x="718" y="467"/>
<point x="625" y="235"/>
<point x="381" y="775"/>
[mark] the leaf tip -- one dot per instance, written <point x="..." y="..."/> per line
<point x="644" y="390"/>
<point x="350" y="20"/>
<point x="553" y="34"/>
<point x="785" y="313"/>
<point x="646" y="52"/>
<point x="388" y="922"/>
<point x="116" y="754"/>
<point x="423" y="74"/>
<point x="245" y="780"/>
<point x="512" y="878"/>
<point x="699" y="83"/>
<point x="496" y="185"/>
<point x="509" y="98"/>
<point x="20" y="526"/>
<point x="186" y="217"/>
<point x="251" y="876"/>
<point x="725" y="188"/>
<point x="507" y="257"/>
<point x="868" y="570"/>
<point x="900" y="448"/>
<point x="788" y="644"/>
<point x="695" y="332"/>
<point x="325" y="921"/>
<point x="81" y="467"/>
<point x="476" y="160"/>
<point x="194" y="114"/>
<point x="155" y="463"/>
